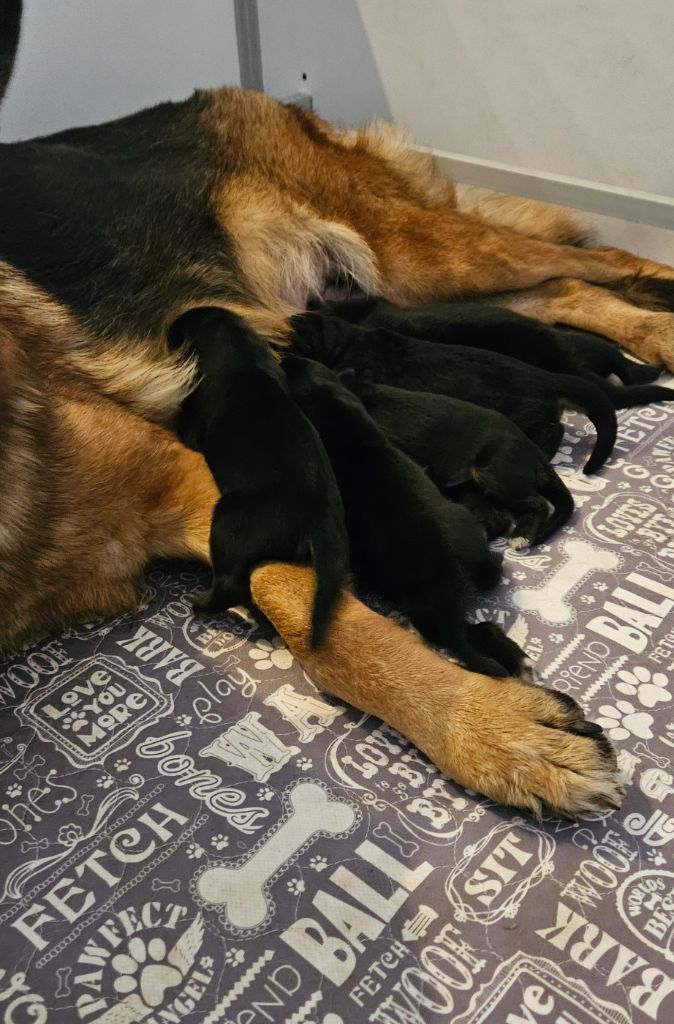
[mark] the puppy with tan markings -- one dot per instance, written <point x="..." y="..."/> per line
<point x="456" y="442"/>
<point x="407" y="542"/>
<point x="279" y="495"/>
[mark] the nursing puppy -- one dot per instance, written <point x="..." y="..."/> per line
<point x="501" y="330"/>
<point x="279" y="498"/>
<point x="529" y="396"/>
<point x="408" y="543"/>
<point x="456" y="441"/>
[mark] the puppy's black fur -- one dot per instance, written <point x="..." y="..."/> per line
<point x="456" y="441"/>
<point x="529" y="396"/>
<point x="407" y="542"/>
<point x="501" y="330"/>
<point x="280" y="499"/>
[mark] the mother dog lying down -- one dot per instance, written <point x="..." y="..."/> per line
<point x="110" y="233"/>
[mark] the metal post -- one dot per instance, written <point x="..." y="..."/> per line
<point x="248" y="44"/>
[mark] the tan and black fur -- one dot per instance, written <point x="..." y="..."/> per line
<point x="231" y="199"/>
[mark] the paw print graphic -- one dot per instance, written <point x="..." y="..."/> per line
<point x="555" y="638"/>
<point x="519" y="575"/>
<point x="318" y="863"/>
<point x="562" y="455"/>
<point x="122" y="764"/>
<point x="623" y="485"/>
<point x="183" y="720"/>
<point x="219" y="841"/>
<point x="69" y="834"/>
<point x="649" y="689"/>
<point x="194" y="851"/>
<point x="623" y="721"/>
<point x="588" y="599"/>
<point x="656" y="857"/>
<point x="265" y="793"/>
<point x="296" y="886"/>
<point x="271" y="654"/>
<point x="234" y="956"/>
<point x="305" y="763"/>
<point x="105" y="781"/>
<point x="143" y="969"/>
<point x="74" y="720"/>
<point x="14" y="790"/>
<point x="600" y="586"/>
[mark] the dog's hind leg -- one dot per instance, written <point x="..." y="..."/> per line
<point x="647" y="334"/>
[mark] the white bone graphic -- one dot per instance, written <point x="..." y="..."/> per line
<point x="549" y="600"/>
<point x="242" y="890"/>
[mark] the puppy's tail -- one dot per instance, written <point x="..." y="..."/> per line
<point x="554" y="490"/>
<point x="636" y="373"/>
<point x="330" y="555"/>
<point x="597" y="405"/>
<point x="10" y="29"/>
<point x="638" y="394"/>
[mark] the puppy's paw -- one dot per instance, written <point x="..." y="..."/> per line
<point x="518" y="543"/>
<point x="527" y="746"/>
<point x="205" y="603"/>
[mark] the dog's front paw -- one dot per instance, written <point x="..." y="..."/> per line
<point x="526" y="746"/>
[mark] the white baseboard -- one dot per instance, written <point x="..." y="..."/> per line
<point x="590" y="196"/>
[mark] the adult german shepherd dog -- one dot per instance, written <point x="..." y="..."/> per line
<point x="109" y="233"/>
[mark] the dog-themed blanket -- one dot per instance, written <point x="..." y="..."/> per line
<point x="191" y="830"/>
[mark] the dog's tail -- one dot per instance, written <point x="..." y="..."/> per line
<point x="638" y="394"/>
<point x="330" y="555"/>
<point x="554" y="490"/>
<point x="599" y="408"/>
<point x="10" y="29"/>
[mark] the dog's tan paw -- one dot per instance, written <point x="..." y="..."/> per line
<point x="652" y="338"/>
<point x="530" y="747"/>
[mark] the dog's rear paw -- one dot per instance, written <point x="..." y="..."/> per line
<point x="528" y="746"/>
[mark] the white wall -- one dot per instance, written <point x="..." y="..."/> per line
<point x="574" y="87"/>
<point x="326" y="41"/>
<point x="83" y="61"/>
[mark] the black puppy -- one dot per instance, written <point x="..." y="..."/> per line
<point x="279" y="498"/>
<point x="532" y="398"/>
<point x="559" y="350"/>
<point x="407" y="542"/>
<point x="456" y="441"/>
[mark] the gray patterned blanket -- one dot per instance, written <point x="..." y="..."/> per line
<point x="191" y="830"/>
